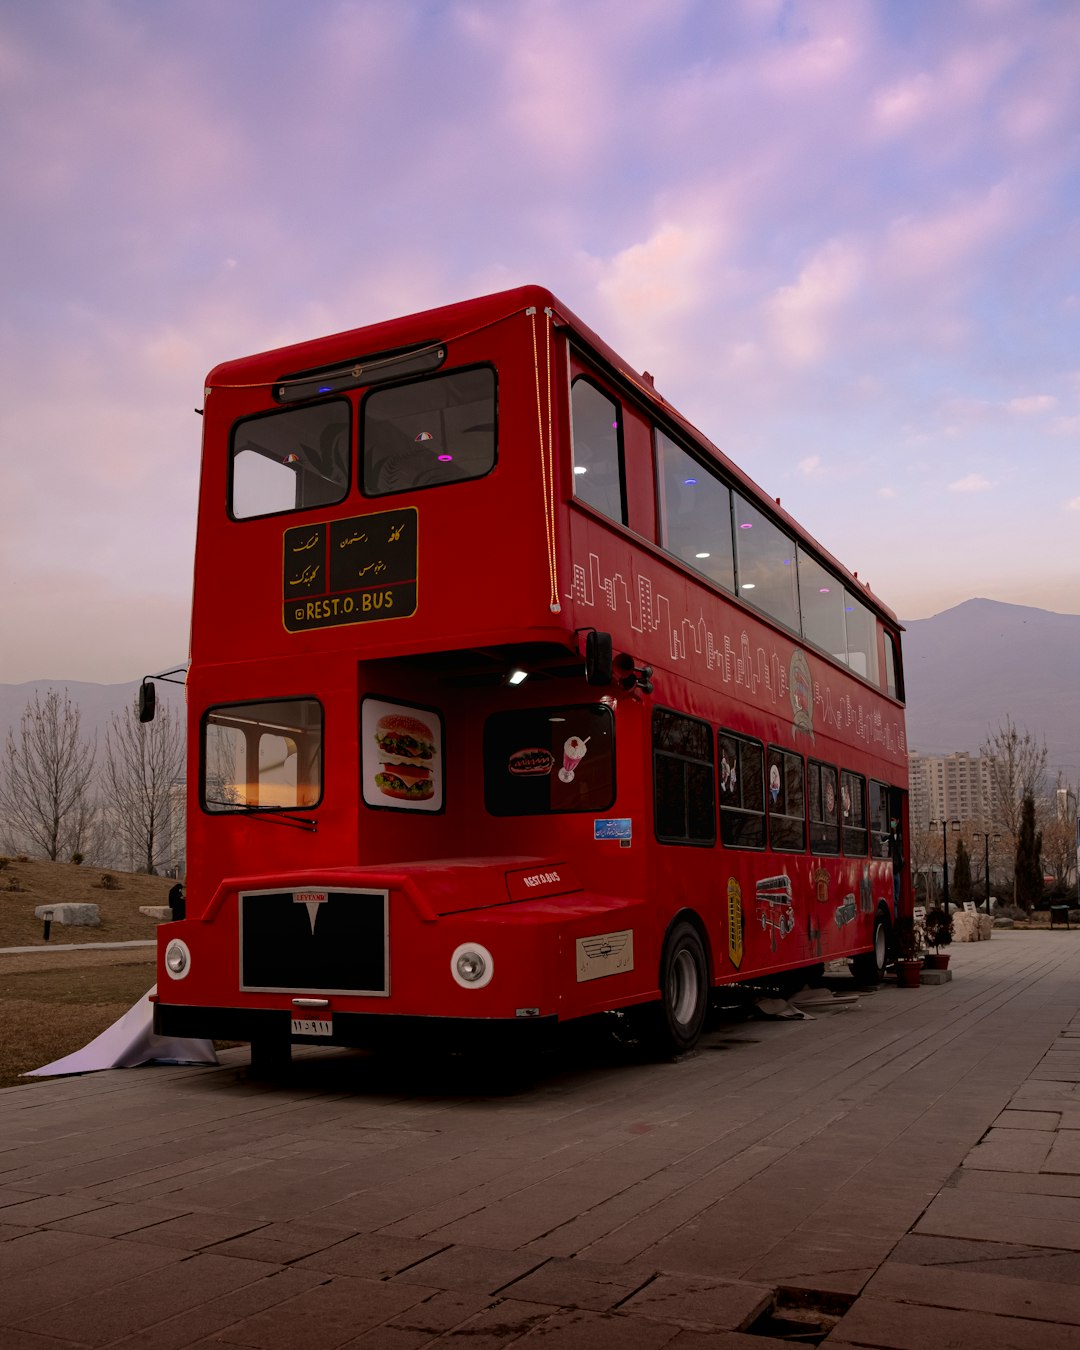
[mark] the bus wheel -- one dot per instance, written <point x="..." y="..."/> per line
<point x="684" y="989"/>
<point x="869" y="967"/>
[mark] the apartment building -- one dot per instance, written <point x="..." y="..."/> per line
<point x="959" y="786"/>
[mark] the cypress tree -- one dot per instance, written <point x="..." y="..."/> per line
<point x="962" y="874"/>
<point x="1028" y="865"/>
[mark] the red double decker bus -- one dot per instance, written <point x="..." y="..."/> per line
<point x="511" y="700"/>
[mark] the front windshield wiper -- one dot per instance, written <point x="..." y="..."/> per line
<point x="260" y="813"/>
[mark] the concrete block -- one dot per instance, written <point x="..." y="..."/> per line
<point x="78" y="916"/>
<point x="971" y="927"/>
<point x="156" y="911"/>
<point x="936" y="976"/>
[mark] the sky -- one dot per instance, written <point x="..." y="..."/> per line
<point x="843" y="235"/>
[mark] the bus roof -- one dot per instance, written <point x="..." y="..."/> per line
<point x="446" y="322"/>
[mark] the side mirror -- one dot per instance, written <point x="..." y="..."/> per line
<point x="147" y="701"/>
<point x="598" y="663"/>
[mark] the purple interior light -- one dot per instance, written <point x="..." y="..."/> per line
<point x="445" y="459"/>
<point x="690" y="482"/>
<point x="746" y="525"/>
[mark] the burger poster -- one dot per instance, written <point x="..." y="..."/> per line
<point x="401" y="756"/>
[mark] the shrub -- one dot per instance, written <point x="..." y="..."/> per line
<point x="4" y="863"/>
<point x="77" y="858"/>
<point x="108" y="882"/>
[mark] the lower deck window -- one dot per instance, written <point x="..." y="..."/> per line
<point x="853" y="813"/>
<point x="742" y="791"/>
<point x="787" y="801"/>
<point x="543" y="761"/>
<point x="824" y="809"/>
<point x="262" y="756"/>
<point x="683" y="779"/>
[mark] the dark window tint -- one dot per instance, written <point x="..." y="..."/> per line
<point x="539" y="761"/>
<point x="824" y="801"/>
<point x="683" y="791"/>
<point x="853" y="813"/>
<point x="289" y="461"/>
<point x="434" y="431"/>
<point x="879" y="819"/>
<point x="787" y="801"/>
<point x="742" y="791"/>
<point x="597" y="431"/>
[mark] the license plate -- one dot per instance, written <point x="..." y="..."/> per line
<point x="312" y="1026"/>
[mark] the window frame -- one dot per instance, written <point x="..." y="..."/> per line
<point x="851" y="846"/>
<point x="295" y="411"/>
<point x="784" y="817"/>
<point x="551" y="710"/>
<point x="742" y="812"/>
<point x="246" y="808"/>
<point x="380" y="390"/>
<point x="593" y="383"/>
<point x="819" y="845"/>
<point x="673" y="756"/>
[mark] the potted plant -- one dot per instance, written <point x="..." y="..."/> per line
<point x="938" y="934"/>
<point x="906" y="940"/>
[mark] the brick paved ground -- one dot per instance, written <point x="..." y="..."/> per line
<point x="911" y="1164"/>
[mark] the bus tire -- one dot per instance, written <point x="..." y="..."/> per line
<point x="869" y="967"/>
<point x="684" y="989"/>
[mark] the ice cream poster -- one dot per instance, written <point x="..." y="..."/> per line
<point x="401" y="756"/>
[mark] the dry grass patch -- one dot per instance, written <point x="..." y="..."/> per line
<point x="55" y="1003"/>
<point x="27" y="883"/>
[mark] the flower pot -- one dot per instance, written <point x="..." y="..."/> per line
<point x="908" y="974"/>
<point x="936" y="961"/>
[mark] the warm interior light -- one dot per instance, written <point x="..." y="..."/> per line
<point x="580" y="468"/>
<point x="702" y="555"/>
<point x="517" y="677"/>
<point x="747" y="586"/>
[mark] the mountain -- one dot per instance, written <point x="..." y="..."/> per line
<point x="966" y="669"/>
<point x="969" y="667"/>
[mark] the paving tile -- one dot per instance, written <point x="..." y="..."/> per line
<point x="918" y="1249"/>
<point x="892" y="1326"/>
<point x="578" y="1328"/>
<point x="466" y="1268"/>
<point x="1064" y="1155"/>
<point x="136" y="1304"/>
<point x="700" y="1302"/>
<point x="98" y="1268"/>
<point x="373" y="1256"/>
<point x="971" y="1180"/>
<point x="196" y="1324"/>
<point x="503" y="1323"/>
<point x="38" y="1248"/>
<point x="324" y="1316"/>
<point x="192" y="1232"/>
<point x="581" y="1283"/>
<point x="44" y="1209"/>
<point x="1000" y="1295"/>
<point x="1011" y="1151"/>
<point x="280" y="1243"/>
<point x="115" y="1220"/>
<point x="1020" y="1217"/>
<point x="1027" y="1120"/>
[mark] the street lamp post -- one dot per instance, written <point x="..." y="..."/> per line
<point x="985" y="835"/>
<point x="945" y="863"/>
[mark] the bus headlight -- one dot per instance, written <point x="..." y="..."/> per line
<point x="177" y="959"/>
<point x="472" y="966"/>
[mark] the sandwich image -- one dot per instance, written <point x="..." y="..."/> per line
<point x="406" y="748"/>
<point x="401" y="737"/>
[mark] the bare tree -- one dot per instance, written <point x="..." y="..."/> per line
<point x="1017" y="770"/>
<point x="47" y="773"/>
<point x="143" y="763"/>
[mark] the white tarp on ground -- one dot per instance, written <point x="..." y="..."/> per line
<point x="130" y="1041"/>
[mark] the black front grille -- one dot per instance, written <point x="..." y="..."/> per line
<point x="314" y="940"/>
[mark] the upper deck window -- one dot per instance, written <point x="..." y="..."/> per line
<point x="262" y="756"/>
<point x="766" y="560"/>
<point x="598" y="463"/>
<point x="822" y="600"/>
<point x="429" y="432"/>
<point x="289" y="461"/>
<point x="894" y="671"/>
<point x="695" y="514"/>
<point x="862" y="652"/>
